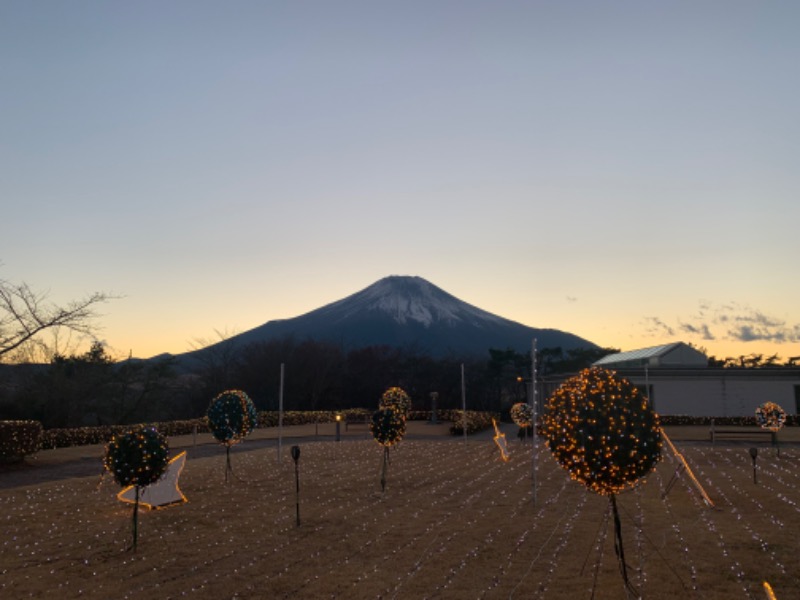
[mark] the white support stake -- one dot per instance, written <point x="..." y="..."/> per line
<point x="280" y="417"/>
<point x="534" y="418"/>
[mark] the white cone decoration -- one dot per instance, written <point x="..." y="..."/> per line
<point x="163" y="492"/>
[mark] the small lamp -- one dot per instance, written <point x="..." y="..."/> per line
<point x="754" y="455"/>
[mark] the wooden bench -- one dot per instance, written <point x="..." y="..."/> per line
<point x="736" y="433"/>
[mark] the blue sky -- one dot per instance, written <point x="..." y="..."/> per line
<point x="625" y="171"/>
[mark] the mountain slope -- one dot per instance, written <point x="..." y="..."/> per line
<point x="410" y="311"/>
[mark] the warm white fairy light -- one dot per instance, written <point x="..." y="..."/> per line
<point x="770" y="416"/>
<point x="736" y="567"/>
<point x="403" y="545"/>
<point x="747" y="524"/>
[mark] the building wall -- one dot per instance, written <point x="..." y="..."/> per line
<point x="710" y="392"/>
<point x="689" y="396"/>
<point x="717" y="394"/>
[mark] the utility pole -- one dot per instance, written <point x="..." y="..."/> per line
<point x="534" y="419"/>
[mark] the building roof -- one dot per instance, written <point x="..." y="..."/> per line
<point x="676" y="354"/>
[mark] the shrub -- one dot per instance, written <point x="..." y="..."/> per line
<point x="476" y="420"/>
<point x="18" y="439"/>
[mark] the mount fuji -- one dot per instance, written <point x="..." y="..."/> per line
<point x="404" y="311"/>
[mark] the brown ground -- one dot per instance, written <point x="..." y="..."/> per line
<point x="453" y="522"/>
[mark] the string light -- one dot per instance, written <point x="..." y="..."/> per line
<point x="500" y="441"/>
<point x="396" y="399"/>
<point x="602" y="431"/>
<point x="522" y="414"/>
<point x="459" y="522"/>
<point x="231" y="417"/>
<point x="387" y="427"/>
<point x="770" y="416"/>
<point x="164" y="492"/>
<point x="137" y="457"/>
<point x="684" y="466"/>
<point x="19" y="438"/>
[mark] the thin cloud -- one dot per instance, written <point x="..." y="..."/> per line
<point x="656" y="327"/>
<point x="702" y="329"/>
<point x="729" y="321"/>
<point x="777" y="333"/>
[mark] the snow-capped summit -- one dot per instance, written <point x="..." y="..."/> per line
<point x="410" y="311"/>
<point x="411" y="299"/>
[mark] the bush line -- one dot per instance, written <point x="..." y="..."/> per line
<point x="21" y="438"/>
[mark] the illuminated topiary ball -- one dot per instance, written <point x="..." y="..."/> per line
<point x="231" y="416"/>
<point x="137" y="457"/>
<point x="388" y="427"/>
<point x="397" y="400"/>
<point x="522" y="414"/>
<point x="770" y="416"/>
<point x="602" y="431"/>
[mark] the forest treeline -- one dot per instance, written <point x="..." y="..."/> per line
<point x="93" y="388"/>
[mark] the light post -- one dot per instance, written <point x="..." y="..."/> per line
<point x="754" y="455"/>
<point x="338" y="427"/>
<point x="296" y="457"/>
<point x="534" y="420"/>
<point x="434" y="414"/>
<point x="532" y="402"/>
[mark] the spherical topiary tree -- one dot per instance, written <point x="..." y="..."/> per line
<point x="388" y="427"/>
<point x="522" y="414"/>
<point x="770" y="416"/>
<point x="604" y="433"/>
<point x="396" y="399"/>
<point x="137" y="457"/>
<point x="231" y="417"/>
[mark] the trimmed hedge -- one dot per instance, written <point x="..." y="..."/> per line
<point x="18" y="439"/>
<point x="476" y="420"/>
<point x="791" y="420"/>
<point x="84" y="436"/>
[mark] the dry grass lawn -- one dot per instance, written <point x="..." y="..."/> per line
<point x="453" y="522"/>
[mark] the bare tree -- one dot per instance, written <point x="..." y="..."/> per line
<point x="26" y="314"/>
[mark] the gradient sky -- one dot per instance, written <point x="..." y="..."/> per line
<point x="625" y="171"/>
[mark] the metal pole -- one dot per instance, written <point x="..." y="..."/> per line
<point x="296" y="457"/>
<point x="464" y="402"/>
<point x="754" y="455"/>
<point x="534" y="419"/>
<point x="280" y="417"/>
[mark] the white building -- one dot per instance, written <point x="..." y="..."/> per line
<point x="680" y="382"/>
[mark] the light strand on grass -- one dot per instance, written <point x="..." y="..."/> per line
<point x="747" y="523"/>
<point x="565" y="535"/>
<point x="536" y="521"/>
<point x="735" y="567"/>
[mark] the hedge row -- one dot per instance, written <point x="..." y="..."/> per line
<point x="84" y="436"/>
<point x="476" y="421"/>
<point x="18" y="439"/>
<point x="81" y="436"/>
<point x="667" y="420"/>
